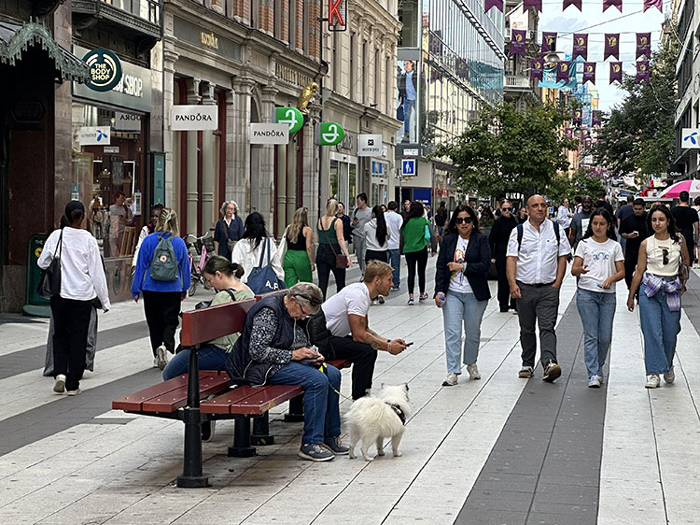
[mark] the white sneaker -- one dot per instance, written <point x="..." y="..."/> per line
<point x="594" y="382"/>
<point x="653" y="381"/>
<point x="155" y="362"/>
<point x="75" y="392"/>
<point x="161" y="357"/>
<point x="450" y="380"/>
<point x="670" y="376"/>
<point x="60" y="385"/>
<point x="473" y="371"/>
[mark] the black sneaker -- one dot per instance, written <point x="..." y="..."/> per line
<point x="336" y="446"/>
<point x="551" y="372"/>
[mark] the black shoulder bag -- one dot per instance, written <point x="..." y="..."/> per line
<point x="50" y="281"/>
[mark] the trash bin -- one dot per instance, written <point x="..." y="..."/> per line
<point x="36" y="305"/>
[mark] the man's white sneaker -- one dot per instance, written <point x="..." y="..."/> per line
<point x="594" y="382"/>
<point x="670" y="376"/>
<point x="653" y="381"/>
<point x="450" y="380"/>
<point x="60" y="385"/>
<point x="526" y="372"/>
<point x="161" y="357"/>
<point x="473" y="371"/>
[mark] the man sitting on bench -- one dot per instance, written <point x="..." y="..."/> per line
<point x="350" y="338"/>
<point x="274" y="349"/>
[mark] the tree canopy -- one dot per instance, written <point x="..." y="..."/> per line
<point x="507" y="150"/>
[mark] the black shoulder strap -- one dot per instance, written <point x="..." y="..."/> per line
<point x="556" y="232"/>
<point x="230" y="292"/>
<point x="521" y="231"/>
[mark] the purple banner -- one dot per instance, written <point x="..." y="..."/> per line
<point x="643" y="45"/>
<point x="612" y="46"/>
<point x="612" y="3"/>
<point x="615" y="72"/>
<point x="517" y="43"/>
<point x="536" y="68"/>
<point x="642" y="71"/>
<point x="653" y="3"/>
<point x="587" y="143"/>
<point x="537" y="4"/>
<point x="563" y="71"/>
<point x="498" y="4"/>
<point x="588" y="72"/>
<point x="575" y="3"/>
<point x="580" y="46"/>
<point x="595" y="118"/>
<point x="569" y="133"/>
<point x="549" y="42"/>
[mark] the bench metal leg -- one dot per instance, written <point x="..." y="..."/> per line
<point x="192" y="476"/>
<point x="241" y="439"/>
<point x="296" y="409"/>
<point x="261" y="431"/>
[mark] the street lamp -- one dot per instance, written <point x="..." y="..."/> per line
<point x="551" y="59"/>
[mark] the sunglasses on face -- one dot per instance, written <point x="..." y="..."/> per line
<point x="506" y="209"/>
<point x="664" y="251"/>
<point x="465" y="220"/>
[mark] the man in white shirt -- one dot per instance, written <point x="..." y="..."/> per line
<point x="535" y="269"/>
<point x="393" y="223"/>
<point x="347" y="320"/>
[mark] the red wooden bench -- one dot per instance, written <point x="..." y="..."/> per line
<point x="179" y="398"/>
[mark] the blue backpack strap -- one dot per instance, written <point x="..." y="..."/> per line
<point x="521" y="231"/>
<point x="556" y="233"/>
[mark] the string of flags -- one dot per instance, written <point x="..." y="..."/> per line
<point x="537" y="4"/>
<point x="580" y="49"/>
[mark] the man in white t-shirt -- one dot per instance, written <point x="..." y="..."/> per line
<point x="394" y="221"/>
<point x="347" y="320"/>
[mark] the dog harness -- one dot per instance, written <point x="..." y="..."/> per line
<point x="397" y="410"/>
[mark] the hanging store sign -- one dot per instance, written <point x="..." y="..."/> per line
<point x="337" y="15"/>
<point x="127" y="122"/>
<point x="195" y="118"/>
<point x="94" y="136"/>
<point x="105" y="69"/>
<point x="290" y="116"/>
<point x="690" y="138"/>
<point x="269" y="133"/>
<point x="369" y="145"/>
<point x="330" y="134"/>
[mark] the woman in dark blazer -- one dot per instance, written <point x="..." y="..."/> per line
<point x="462" y="291"/>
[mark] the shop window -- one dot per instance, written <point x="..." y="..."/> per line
<point x="108" y="174"/>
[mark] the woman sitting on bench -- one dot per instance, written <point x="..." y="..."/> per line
<point x="224" y="276"/>
<point x="274" y="349"/>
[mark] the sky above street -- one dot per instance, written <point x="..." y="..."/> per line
<point x="593" y="21"/>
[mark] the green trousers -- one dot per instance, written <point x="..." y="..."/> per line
<point x="297" y="268"/>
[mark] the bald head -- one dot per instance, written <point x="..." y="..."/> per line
<point x="537" y="209"/>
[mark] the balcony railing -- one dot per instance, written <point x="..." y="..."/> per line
<point x="146" y="9"/>
<point x="517" y="82"/>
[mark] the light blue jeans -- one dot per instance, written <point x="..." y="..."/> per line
<point x="462" y="309"/>
<point x="395" y="261"/>
<point x="210" y="358"/>
<point x="597" y="310"/>
<point x="660" y="327"/>
<point x="321" y="403"/>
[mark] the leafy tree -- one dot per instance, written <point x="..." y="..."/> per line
<point x="507" y="150"/>
<point x="639" y="135"/>
<point x="582" y="182"/>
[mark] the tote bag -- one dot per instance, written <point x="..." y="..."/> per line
<point x="50" y="280"/>
<point x="262" y="278"/>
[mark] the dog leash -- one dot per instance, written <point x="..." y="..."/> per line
<point x="324" y="368"/>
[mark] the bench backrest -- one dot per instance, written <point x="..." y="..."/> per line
<point x="205" y="324"/>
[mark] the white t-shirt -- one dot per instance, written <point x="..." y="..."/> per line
<point x="458" y="279"/>
<point x="600" y="259"/>
<point x="393" y="224"/>
<point x="353" y="299"/>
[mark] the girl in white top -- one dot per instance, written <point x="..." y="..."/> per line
<point x="255" y="239"/>
<point x="660" y="287"/>
<point x="82" y="279"/>
<point x="598" y="265"/>
<point x="377" y="239"/>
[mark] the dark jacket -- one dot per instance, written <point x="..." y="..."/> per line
<point x="235" y="233"/>
<point x="500" y="235"/>
<point x="240" y="366"/>
<point x="478" y="259"/>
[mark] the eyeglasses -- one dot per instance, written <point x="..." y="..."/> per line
<point x="664" y="251"/>
<point x="506" y="209"/>
<point x="465" y="220"/>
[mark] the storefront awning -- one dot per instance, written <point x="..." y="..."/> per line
<point x="15" y="39"/>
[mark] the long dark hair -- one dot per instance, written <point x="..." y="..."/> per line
<point x="452" y="225"/>
<point x="610" y="231"/>
<point x="673" y="232"/>
<point x="416" y="210"/>
<point x="254" y="228"/>
<point x="381" y="224"/>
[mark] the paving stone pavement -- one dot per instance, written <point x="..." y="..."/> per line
<point x="501" y="450"/>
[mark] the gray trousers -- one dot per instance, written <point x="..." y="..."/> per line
<point x="538" y="304"/>
<point x="360" y="248"/>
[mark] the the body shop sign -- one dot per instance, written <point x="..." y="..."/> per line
<point x="105" y="69"/>
<point x="194" y="118"/>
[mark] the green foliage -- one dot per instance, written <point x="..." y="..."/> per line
<point x="639" y="135"/>
<point x="506" y="150"/>
<point x="582" y="182"/>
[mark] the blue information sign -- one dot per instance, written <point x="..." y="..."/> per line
<point x="408" y="167"/>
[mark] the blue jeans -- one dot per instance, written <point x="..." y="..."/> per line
<point x="408" y="106"/>
<point x="210" y="358"/>
<point x="597" y="310"/>
<point x="321" y="403"/>
<point x="660" y="327"/>
<point x="395" y="261"/>
<point x="462" y="308"/>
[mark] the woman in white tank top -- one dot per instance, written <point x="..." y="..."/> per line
<point x="660" y="289"/>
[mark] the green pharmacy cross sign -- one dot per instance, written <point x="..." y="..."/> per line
<point x="330" y="134"/>
<point x="290" y="116"/>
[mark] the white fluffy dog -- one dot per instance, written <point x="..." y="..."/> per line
<point x="372" y="419"/>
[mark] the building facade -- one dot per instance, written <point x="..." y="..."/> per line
<point x="687" y="115"/>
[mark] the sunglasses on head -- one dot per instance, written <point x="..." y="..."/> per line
<point x="664" y="251"/>
<point x="311" y="300"/>
<point x="465" y="220"/>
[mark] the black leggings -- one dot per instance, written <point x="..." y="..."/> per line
<point x="421" y="258"/>
<point x="325" y="263"/>
<point x="162" y="309"/>
<point x="71" y="322"/>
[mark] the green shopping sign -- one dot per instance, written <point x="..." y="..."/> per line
<point x="290" y="116"/>
<point x="330" y="134"/>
